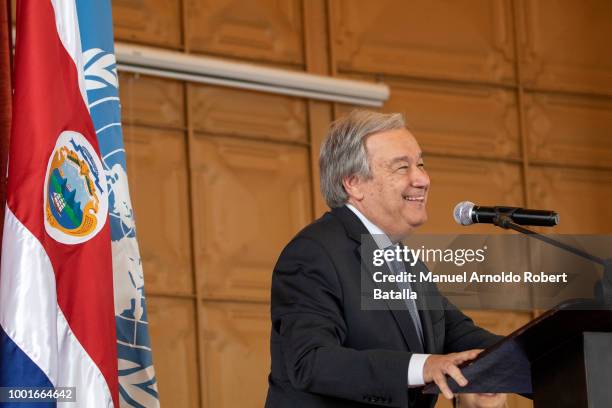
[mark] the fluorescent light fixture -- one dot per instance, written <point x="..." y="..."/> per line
<point x="216" y="71"/>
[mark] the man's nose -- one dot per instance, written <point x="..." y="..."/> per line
<point x="419" y="178"/>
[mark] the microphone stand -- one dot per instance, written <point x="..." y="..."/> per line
<point x="603" y="288"/>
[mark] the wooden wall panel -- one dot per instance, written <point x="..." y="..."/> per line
<point x="514" y="401"/>
<point x="253" y="157"/>
<point x="480" y="181"/>
<point x="320" y="117"/>
<point x="266" y="30"/>
<point x="157" y="167"/>
<point x="432" y="39"/>
<point x="342" y="109"/>
<point x="566" y="129"/>
<point x="459" y="121"/>
<point x="499" y="322"/>
<point x="227" y="111"/>
<point x="172" y="328"/>
<point x="563" y="44"/>
<point x="151" y="101"/>
<point x="316" y="34"/>
<point x="235" y="342"/>
<point x="318" y="60"/>
<point x="580" y="196"/>
<point x="249" y="198"/>
<point x="151" y="22"/>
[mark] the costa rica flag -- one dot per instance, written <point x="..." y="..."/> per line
<point x="57" y="317"/>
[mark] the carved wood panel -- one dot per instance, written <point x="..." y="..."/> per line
<point x="563" y="44"/>
<point x="343" y="109"/>
<point x="566" y="129"/>
<point x="456" y="180"/>
<point x="228" y="111"/>
<point x="580" y="196"/>
<point x="249" y="199"/>
<point x="267" y="30"/>
<point x="320" y="117"/>
<point x="235" y="341"/>
<point x="250" y="196"/>
<point x="157" y="168"/>
<point x="153" y="22"/>
<point x="151" y="101"/>
<point x="513" y="401"/>
<point x="458" y="121"/>
<point x="316" y="33"/>
<point x="432" y="39"/>
<point x="172" y="328"/>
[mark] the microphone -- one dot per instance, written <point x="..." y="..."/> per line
<point x="467" y="213"/>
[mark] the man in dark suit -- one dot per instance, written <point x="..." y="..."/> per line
<point x="328" y="350"/>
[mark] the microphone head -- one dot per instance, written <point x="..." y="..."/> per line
<point x="463" y="213"/>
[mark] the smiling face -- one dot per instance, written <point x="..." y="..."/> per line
<point x="395" y="197"/>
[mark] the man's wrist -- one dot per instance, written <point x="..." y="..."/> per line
<point x="415" y="369"/>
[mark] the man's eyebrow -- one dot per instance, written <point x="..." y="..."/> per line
<point x="405" y="159"/>
<point x="400" y="159"/>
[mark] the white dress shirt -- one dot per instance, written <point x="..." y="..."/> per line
<point x="417" y="361"/>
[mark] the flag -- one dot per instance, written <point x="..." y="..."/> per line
<point x="57" y="325"/>
<point x="137" y="381"/>
<point x="5" y="97"/>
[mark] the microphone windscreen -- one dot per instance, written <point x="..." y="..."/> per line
<point x="463" y="213"/>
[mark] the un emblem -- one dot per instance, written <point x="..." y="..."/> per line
<point x="76" y="201"/>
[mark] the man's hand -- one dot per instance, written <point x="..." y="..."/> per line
<point x="437" y="365"/>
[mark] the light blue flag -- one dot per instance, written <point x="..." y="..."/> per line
<point x="137" y="382"/>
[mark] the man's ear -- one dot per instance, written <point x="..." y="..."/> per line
<point x="353" y="187"/>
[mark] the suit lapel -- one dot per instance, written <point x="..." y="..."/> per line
<point x="397" y="307"/>
<point x="356" y="231"/>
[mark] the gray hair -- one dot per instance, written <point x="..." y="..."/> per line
<point x="343" y="151"/>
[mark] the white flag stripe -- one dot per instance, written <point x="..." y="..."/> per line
<point x="30" y="316"/>
<point x="67" y="23"/>
<point x="28" y="296"/>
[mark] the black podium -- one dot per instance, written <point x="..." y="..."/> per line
<point x="562" y="359"/>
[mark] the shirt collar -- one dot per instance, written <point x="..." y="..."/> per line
<point x="381" y="239"/>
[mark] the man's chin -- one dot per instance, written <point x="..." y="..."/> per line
<point x="416" y="221"/>
<point x="409" y="225"/>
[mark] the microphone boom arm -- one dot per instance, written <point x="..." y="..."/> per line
<point x="603" y="290"/>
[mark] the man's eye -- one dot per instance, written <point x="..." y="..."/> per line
<point x="421" y="165"/>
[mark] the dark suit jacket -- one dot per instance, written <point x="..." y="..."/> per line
<point x="329" y="352"/>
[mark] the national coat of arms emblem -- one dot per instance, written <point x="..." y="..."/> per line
<point x="76" y="201"/>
